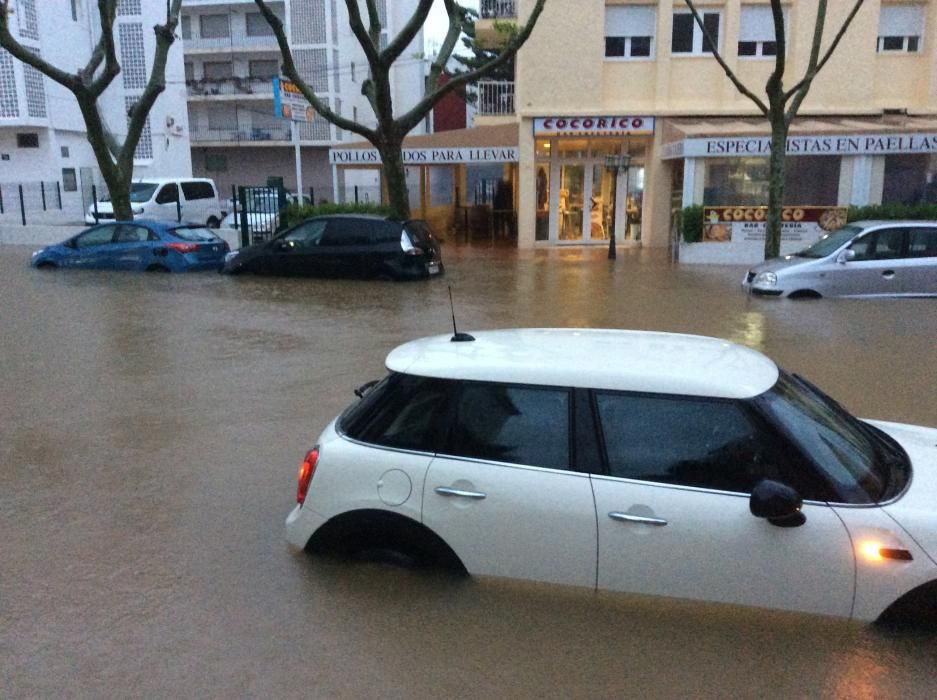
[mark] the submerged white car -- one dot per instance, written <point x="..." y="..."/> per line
<point x="651" y="463"/>
<point x="862" y="259"/>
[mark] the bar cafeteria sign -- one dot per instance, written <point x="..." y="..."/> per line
<point x="560" y="126"/>
<point x="805" y="224"/>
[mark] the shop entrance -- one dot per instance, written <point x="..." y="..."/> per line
<point x="589" y="201"/>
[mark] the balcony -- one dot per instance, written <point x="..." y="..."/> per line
<point x="491" y="14"/>
<point x="256" y="135"/>
<point x="236" y="41"/>
<point x="495" y="98"/>
<point x="235" y="87"/>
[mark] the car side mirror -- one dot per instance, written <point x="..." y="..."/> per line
<point x="845" y="256"/>
<point x="778" y="503"/>
<point x="281" y="246"/>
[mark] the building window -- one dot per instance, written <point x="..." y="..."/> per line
<point x="214" y="26"/>
<point x="186" y="27"/>
<point x="756" y="32"/>
<point x="910" y="178"/>
<point x="263" y="69"/>
<point x="217" y="70"/>
<point x="30" y="140"/>
<point x="629" y="31"/>
<point x="808" y="181"/>
<point x="688" y="38"/>
<point x="257" y="25"/>
<point x="216" y="162"/>
<point x="65" y="152"/>
<point x="899" y="28"/>
<point x="69" y="180"/>
<point x="132" y="55"/>
<point x="74" y="10"/>
<point x="189" y="71"/>
<point x="222" y="118"/>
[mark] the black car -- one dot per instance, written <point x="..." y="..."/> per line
<point x="345" y="245"/>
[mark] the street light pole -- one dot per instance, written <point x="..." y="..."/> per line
<point x="619" y="163"/>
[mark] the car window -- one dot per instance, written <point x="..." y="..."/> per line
<point x="522" y="425"/>
<point x="922" y="243"/>
<point x="687" y="441"/>
<point x="197" y="190"/>
<point x="386" y="232"/>
<point x="306" y="235"/>
<point x="95" y="236"/>
<point x="169" y="193"/>
<point x="419" y="233"/>
<point x="347" y="232"/>
<point x="403" y="412"/>
<point x="140" y="192"/>
<point x="127" y="233"/>
<point x="879" y="245"/>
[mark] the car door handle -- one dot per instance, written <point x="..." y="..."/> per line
<point x="459" y="493"/>
<point x="888" y="274"/>
<point x="627" y="518"/>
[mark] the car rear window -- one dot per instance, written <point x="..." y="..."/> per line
<point x="402" y="411"/>
<point x="194" y="233"/>
<point x="385" y="232"/>
<point x="420" y="233"/>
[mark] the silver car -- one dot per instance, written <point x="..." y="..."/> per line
<point x="861" y="259"/>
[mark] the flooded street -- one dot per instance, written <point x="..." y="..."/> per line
<point x="151" y="427"/>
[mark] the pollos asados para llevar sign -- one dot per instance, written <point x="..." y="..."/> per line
<point x="427" y="156"/>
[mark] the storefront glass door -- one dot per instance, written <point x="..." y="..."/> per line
<point x="572" y="195"/>
<point x="604" y="181"/>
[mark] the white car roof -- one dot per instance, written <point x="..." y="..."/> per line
<point x="164" y="180"/>
<point x="621" y="360"/>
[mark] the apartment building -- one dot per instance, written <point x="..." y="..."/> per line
<point x="231" y="57"/>
<point x="42" y="133"/>
<point x="624" y="116"/>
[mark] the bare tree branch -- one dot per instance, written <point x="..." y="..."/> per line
<point x="289" y="69"/>
<point x="369" y="44"/>
<point x="456" y="18"/>
<point x="374" y="23"/>
<point x="405" y="36"/>
<point x="413" y="117"/>
<point x="739" y="85"/>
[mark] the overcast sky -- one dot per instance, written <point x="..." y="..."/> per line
<point x="437" y="23"/>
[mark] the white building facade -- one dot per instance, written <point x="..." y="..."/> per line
<point x="42" y="133"/>
<point x="231" y="57"/>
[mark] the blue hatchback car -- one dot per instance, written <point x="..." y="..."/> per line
<point x="152" y="246"/>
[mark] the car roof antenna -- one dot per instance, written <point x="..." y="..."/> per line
<point x="456" y="336"/>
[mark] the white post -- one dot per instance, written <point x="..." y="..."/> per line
<point x="297" y="155"/>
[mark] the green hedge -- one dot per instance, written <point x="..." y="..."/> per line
<point x="893" y="211"/>
<point x="691" y="223"/>
<point x="295" y="212"/>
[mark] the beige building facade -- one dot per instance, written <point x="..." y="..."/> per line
<point x="624" y="116"/>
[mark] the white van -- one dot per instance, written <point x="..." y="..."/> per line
<point x="164" y="199"/>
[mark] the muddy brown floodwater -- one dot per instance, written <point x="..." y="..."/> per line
<point x="150" y="431"/>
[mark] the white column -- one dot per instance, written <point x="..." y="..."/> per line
<point x="689" y="182"/>
<point x="861" y="180"/>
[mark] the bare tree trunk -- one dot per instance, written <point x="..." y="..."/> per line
<point x="779" y="131"/>
<point x="395" y="175"/>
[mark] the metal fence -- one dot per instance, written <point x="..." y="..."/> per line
<point x="44" y="202"/>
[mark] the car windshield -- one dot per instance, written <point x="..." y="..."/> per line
<point x="194" y="233"/>
<point x="830" y="242"/>
<point x="859" y="461"/>
<point x="139" y="192"/>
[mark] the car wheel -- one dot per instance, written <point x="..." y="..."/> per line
<point x="213" y="222"/>
<point x="804" y="294"/>
<point x="376" y="535"/>
<point x="157" y="268"/>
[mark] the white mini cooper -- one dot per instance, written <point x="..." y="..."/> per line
<point x="651" y="463"/>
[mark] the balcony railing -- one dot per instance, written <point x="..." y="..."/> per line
<point x="495" y="98"/>
<point x="229" y="86"/>
<point x="278" y="132"/>
<point x="498" y="9"/>
<point x="233" y="42"/>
